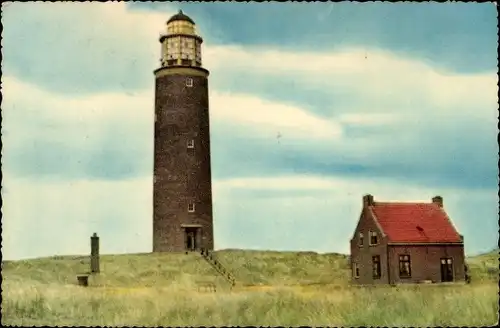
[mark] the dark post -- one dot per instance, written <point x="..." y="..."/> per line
<point x="94" y="253"/>
<point x="368" y="200"/>
<point x="467" y="275"/>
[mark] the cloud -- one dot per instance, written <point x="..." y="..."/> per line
<point x="45" y="217"/>
<point x="427" y="109"/>
<point x="110" y="135"/>
<point x="380" y="76"/>
<point x="81" y="47"/>
<point x="271" y="118"/>
<point x="320" y="213"/>
<point x="415" y="113"/>
<point x="367" y="119"/>
<point x="105" y="136"/>
<point x="461" y="37"/>
<point x="87" y="57"/>
<point x="284" y="213"/>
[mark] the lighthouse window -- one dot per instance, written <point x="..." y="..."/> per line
<point x="190" y="144"/>
<point x="191" y="207"/>
<point x="189" y="82"/>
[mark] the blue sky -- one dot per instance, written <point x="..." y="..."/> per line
<point x="396" y="100"/>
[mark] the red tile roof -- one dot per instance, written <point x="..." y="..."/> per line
<point x="415" y="223"/>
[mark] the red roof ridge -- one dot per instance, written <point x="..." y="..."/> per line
<point x="402" y="203"/>
<point x="450" y="221"/>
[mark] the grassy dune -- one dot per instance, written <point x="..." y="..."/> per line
<point x="274" y="288"/>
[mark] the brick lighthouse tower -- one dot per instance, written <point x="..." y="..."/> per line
<point x="182" y="185"/>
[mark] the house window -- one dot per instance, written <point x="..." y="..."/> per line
<point x="190" y="144"/>
<point x="355" y="270"/>
<point x="373" y="238"/>
<point x="360" y="240"/>
<point x="404" y="266"/>
<point x="191" y="207"/>
<point x="376" y="267"/>
<point x="189" y="82"/>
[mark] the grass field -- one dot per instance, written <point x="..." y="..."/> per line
<point x="273" y="288"/>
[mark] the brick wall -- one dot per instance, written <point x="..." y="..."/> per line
<point x="182" y="175"/>
<point x="363" y="255"/>
<point x="425" y="262"/>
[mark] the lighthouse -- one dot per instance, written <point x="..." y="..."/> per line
<point x="182" y="184"/>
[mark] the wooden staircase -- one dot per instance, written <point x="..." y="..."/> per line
<point x="208" y="256"/>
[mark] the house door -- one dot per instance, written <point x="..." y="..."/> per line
<point x="446" y="269"/>
<point x="191" y="240"/>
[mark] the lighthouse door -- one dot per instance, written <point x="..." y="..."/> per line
<point x="190" y="238"/>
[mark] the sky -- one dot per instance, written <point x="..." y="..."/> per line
<point x="312" y="105"/>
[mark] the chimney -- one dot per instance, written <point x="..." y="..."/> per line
<point x="367" y="200"/>
<point x="438" y="200"/>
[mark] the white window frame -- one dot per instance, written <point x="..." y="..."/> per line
<point x="403" y="260"/>
<point x="361" y="239"/>
<point x="189" y="82"/>
<point x="191" y="207"/>
<point x="190" y="144"/>
<point x="372" y="233"/>
<point x="355" y="270"/>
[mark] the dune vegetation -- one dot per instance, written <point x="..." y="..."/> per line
<point x="273" y="289"/>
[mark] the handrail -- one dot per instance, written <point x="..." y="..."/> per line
<point x="207" y="255"/>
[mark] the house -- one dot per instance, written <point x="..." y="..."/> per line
<point x="406" y="243"/>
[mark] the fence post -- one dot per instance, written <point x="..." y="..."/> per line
<point x="94" y="253"/>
